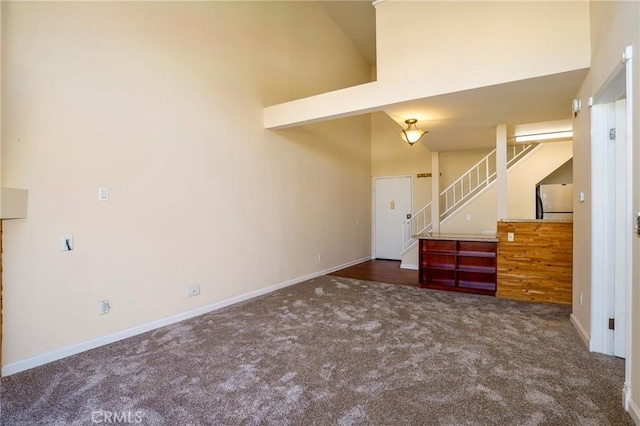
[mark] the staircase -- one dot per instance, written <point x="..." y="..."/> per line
<point x="471" y="184"/>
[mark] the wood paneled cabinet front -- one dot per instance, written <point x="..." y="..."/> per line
<point x="467" y="266"/>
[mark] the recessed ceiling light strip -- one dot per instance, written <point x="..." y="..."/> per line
<point x="544" y="136"/>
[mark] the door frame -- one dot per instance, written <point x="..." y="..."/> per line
<point x="373" y="207"/>
<point x="602" y="172"/>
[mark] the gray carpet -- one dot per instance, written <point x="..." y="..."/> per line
<point x="336" y="351"/>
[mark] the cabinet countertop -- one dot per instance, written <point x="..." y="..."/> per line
<point x="536" y="220"/>
<point x="457" y="237"/>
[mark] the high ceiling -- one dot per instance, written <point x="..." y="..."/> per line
<point x="464" y="120"/>
<point x="358" y="21"/>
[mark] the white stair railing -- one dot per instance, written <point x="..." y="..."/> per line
<point x="419" y="223"/>
<point x="479" y="176"/>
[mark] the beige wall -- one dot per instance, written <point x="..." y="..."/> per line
<point x="391" y="156"/>
<point x="635" y="296"/>
<point x="614" y="25"/>
<point x="562" y="175"/>
<point x="455" y="164"/>
<point x="483" y="213"/>
<point x="511" y="41"/>
<point x="1" y="66"/>
<point x="161" y="102"/>
<point x="525" y="175"/>
<point x="635" y="308"/>
<point x="522" y="179"/>
<point x="432" y="54"/>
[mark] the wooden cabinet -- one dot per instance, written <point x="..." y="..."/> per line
<point x="467" y="266"/>
<point x="538" y="265"/>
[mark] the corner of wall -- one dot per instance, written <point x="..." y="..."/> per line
<point x="584" y="336"/>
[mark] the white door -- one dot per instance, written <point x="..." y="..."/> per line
<point x="611" y="239"/>
<point x="392" y="204"/>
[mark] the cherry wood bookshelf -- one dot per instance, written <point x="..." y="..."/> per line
<point x="458" y="265"/>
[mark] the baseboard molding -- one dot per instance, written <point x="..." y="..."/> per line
<point x="408" y="266"/>
<point x="634" y="411"/>
<point x="586" y="338"/>
<point x="38" y="360"/>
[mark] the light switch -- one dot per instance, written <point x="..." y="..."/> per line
<point x="392" y="204"/>
<point x="581" y="197"/>
<point x="103" y="194"/>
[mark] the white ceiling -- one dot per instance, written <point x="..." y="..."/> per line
<point x="467" y="120"/>
<point x="464" y="120"/>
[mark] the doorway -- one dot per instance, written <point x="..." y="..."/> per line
<point x="612" y="218"/>
<point x="392" y="207"/>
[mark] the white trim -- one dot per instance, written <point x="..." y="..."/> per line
<point x="630" y="356"/>
<point x="435" y="192"/>
<point x="35" y="361"/>
<point x="627" y="54"/>
<point x="584" y="336"/>
<point x="409" y="266"/>
<point x="634" y="411"/>
<point x="626" y="396"/>
<point x="623" y="247"/>
<point x="501" y="172"/>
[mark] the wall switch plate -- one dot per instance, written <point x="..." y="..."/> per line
<point x="193" y="290"/>
<point x="66" y="244"/>
<point x="468" y="218"/>
<point x="103" y="307"/>
<point x="103" y="194"/>
<point x="510" y="236"/>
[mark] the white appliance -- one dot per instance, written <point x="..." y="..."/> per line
<point x="554" y="201"/>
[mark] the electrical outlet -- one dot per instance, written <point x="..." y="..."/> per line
<point x="66" y="243"/>
<point x="510" y="236"/>
<point x="581" y="299"/>
<point x="193" y="290"/>
<point x="103" y="307"/>
<point x="320" y="258"/>
<point x="468" y="218"/>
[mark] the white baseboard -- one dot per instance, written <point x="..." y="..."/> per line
<point x="634" y="411"/>
<point x="408" y="266"/>
<point x="586" y="338"/>
<point x="35" y="361"/>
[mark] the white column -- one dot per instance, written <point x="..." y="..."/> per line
<point x="435" y="192"/>
<point x="501" y="170"/>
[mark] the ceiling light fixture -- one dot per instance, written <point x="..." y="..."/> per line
<point x="544" y="136"/>
<point x="412" y="134"/>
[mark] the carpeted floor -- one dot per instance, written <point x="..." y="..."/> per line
<point x="336" y="351"/>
